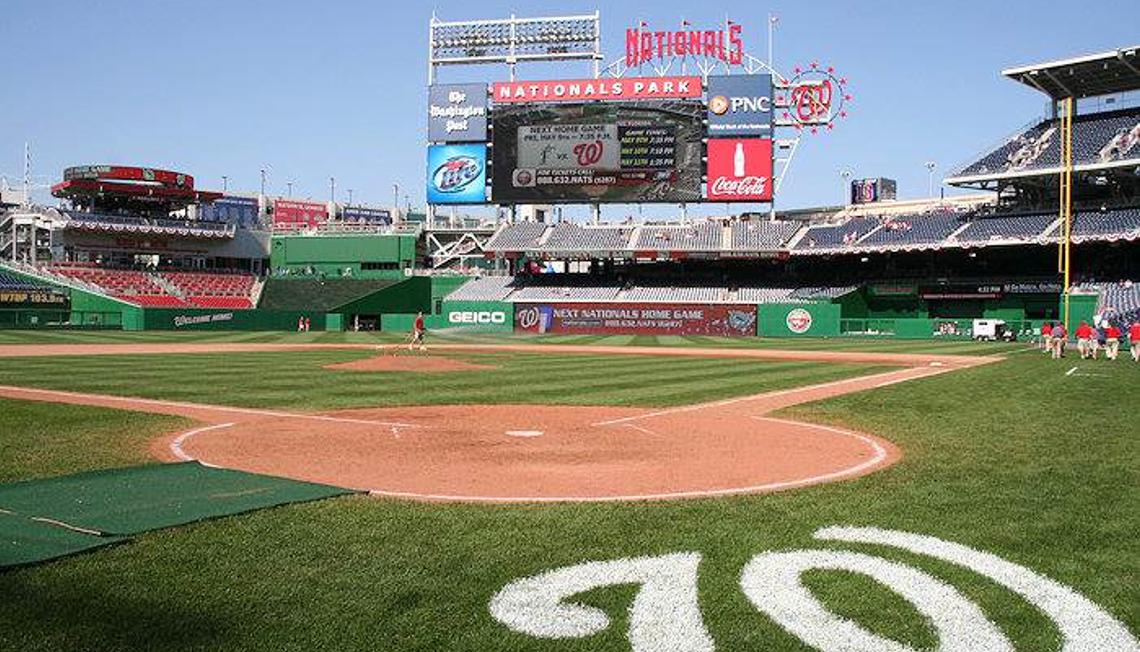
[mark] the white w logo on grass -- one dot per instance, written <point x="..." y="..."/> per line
<point x="665" y="616"/>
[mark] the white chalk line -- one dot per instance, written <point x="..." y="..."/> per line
<point x="639" y="428"/>
<point x="880" y="455"/>
<point x="176" y="445"/>
<point x="767" y="395"/>
<point x="202" y="406"/>
<point x="1071" y="371"/>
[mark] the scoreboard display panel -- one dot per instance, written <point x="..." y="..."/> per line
<point x="646" y="151"/>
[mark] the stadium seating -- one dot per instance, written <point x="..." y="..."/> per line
<point x="1017" y="228"/>
<point x="841" y="235"/>
<point x="521" y="236"/>
<point x="764" y="294"/>
<point x="1124" y="223"/>
<point x="163" y="289"/>
<point x="488" y="288"/>
<point x="18" y="284"/>
<point x="917" y="231"/>
<point x="660" y="237"/>
<point x="1097" y="138"/>
<point x="1118" y="301"/>
<point x="213" y="290"/>
<point x="761" y="235"/>
<point x="567" y="236"/>
<point x="675" y="294"/>
<point x="581" y="287"/>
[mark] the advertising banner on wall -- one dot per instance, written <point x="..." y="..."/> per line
<point x="457" y="174"/>
<point x="739" y="169"/>
<point x="365" y="215"/>
<point x="457" y="113"/>
<point x="578" y="90"/>
<point x="296" y="211"/>
<point x="740" y="105"/>
<point x="239" y="211"/>
<point x="636" y="318"/>
<point x="616" y="152"/>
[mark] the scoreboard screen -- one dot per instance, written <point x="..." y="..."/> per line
<point x="646" y="151"/>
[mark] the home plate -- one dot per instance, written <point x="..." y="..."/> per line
<point x="523" y="433"/>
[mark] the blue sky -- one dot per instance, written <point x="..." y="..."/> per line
<point x="312" y="90"/>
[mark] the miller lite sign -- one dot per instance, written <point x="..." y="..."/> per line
<point x="739" y="169"/>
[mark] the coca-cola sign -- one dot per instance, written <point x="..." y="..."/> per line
<point x="739" y="169"/>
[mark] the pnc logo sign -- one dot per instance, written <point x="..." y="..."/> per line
<point x="722" y="105"/>
<point x="468" y="317"/>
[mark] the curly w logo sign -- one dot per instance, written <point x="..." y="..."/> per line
<point x="665" y="615"/>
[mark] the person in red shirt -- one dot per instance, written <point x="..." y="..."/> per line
<point x="1047" y="336"/>
<point x="1134" y="340"/>
<point x="1084" y="339"/>
<point x="418" y="333"/>
<point x="1111" y="341"/>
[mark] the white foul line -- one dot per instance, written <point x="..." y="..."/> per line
<point x="1071" y="371"/>
<point x="765" y="395"/>
<point x="203" y="406"/>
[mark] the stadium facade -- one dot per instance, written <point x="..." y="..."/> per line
<point x="1051" y="233"/>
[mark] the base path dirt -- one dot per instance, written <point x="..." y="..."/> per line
<point x="535" y="453"/>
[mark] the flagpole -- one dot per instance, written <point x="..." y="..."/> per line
<point x="771" y="30"/>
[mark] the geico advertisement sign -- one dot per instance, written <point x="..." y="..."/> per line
<point x="477" y="317"/>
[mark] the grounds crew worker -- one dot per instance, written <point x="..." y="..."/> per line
<point x="418" y="333"/>
<point x="1134" y="340"/>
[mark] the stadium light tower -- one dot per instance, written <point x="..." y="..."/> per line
<point x="225" y="183"/>
<point x="930" y="165"/>
<point x="332" y="189"/>
<point x="288" y="188"/>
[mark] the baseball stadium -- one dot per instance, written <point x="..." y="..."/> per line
<point x="242" y="420"/>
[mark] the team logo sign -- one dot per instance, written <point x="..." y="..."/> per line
<point x="798" y="321"/>
<point x="665" y="615"/>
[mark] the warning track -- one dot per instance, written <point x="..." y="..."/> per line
<point x="529" y="453"/>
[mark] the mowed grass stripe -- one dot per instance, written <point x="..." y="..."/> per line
<point x="710" y="387"/>
<point x="297" y="380"/>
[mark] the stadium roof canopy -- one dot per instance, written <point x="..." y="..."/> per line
<point x="1115" y="71"/>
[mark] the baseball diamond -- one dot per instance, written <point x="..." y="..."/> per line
<point x="676" y="347"/>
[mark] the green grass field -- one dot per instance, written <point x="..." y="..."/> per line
<point x="1015" y="458"/>
<point x="335" y="337"/>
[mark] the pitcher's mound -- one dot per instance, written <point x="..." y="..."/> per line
<point x="405" y="361"/>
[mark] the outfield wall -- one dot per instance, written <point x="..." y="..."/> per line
<point x="467" y="316"/>
<point x="204" y="319"/>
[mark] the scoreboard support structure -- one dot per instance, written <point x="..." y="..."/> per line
<point x="809" y="99"/>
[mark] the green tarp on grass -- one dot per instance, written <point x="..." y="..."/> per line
<point x="142" y="498"/>
<point x="24" y="541"/>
